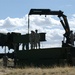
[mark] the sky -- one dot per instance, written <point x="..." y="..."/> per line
<point x="14" y="18"/>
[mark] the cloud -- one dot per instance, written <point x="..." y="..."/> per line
<point x="14" y="24"/>
<point x="49" y="24"/>
<point x="1" y="22"/>
<point x="72" y="22"/>
<point x="52" y="27"/>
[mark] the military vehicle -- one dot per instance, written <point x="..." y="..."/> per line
<point x="42" y="56"/>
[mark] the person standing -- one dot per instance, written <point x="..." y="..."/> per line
<point x="32" y="39"/>
<point x="72" y="38"/>
<point x="37" y="39"/>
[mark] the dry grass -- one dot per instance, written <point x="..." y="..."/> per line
<point x="67" y="70"/>
<point x="38" y="71"/>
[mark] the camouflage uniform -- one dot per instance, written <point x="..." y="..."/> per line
<point x="32" y="39"/>
<point x="37" y="39"/>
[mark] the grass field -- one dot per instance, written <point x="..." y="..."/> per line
<point x="38" y="71"/>
<point x="66" y="70"/>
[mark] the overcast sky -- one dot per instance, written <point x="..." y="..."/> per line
<point x="14" y="18"/>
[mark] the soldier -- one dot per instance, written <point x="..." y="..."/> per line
<point x="32" y="39"/>
<point x="37" y="39"/>
<point x="72" y="38"/>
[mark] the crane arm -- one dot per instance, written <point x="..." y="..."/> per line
<point x="44" y="12"/>
<point x="64" y="23"/>
<point x="59" y="13"/>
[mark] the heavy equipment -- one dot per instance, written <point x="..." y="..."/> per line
<point x="43" y="56"/>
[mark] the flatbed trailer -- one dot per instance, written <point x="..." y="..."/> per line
<point x="46" y="56"/>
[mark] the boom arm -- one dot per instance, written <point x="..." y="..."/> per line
<point x="59" y="13"/>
